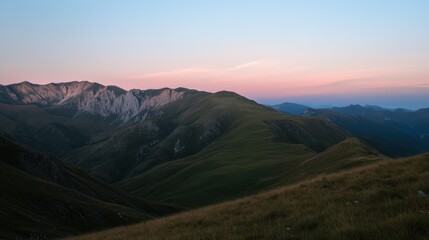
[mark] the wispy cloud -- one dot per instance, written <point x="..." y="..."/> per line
<point x="203" y="73"/>
<point x="261" y="78"/>
<point x="172" y="73"/>
<point x="254" y="64"/>
<point x="359" y="81"/>
<point x="425" y="85"/>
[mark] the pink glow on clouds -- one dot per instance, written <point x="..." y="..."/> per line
<point x="255" y="79"/>
<point x="261" y="79"/>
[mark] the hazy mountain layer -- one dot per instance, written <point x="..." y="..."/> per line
<point x="395" y="133"/>
<point x="291" y="108"/>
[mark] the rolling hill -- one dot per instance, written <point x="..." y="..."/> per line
<point x="43" y="198"/>
<point x="386" y="200"/>
<point x="178" y="146"/>
<point x="201" y="120"/>
<point x="258" y="148"/>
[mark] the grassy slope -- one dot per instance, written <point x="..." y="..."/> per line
<point x="379" y="201"/>
<point x="31" y="208"/>
<point x="43" y="197"/>
<point x="261" y="148"/>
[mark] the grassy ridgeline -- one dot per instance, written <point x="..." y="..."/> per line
<point x="380" y="201"/>
<point x="258" y="149"/>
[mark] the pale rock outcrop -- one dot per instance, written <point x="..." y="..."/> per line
<point x="92" y="98"/>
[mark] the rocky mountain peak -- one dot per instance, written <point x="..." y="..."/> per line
<point x="91" y="98"/>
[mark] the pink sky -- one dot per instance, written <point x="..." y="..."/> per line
<point x="255" y="79"/>
<point x="263" y="50"/>
<point x="262" y="79"/>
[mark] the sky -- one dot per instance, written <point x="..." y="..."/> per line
<point x="308" y="51"/>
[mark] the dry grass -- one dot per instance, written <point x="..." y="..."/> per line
<point x="380" y="201"/>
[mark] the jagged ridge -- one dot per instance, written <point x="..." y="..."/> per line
<point x="117" y="104"/>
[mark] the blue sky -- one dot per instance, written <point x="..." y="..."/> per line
<point x="329" y="52"/>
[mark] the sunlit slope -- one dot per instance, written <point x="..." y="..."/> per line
<point x="385" y="200"/>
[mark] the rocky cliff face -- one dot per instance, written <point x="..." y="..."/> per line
<point x="91" y="98"/>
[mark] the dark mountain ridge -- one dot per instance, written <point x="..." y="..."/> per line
<point x="394" y="132"/>
<point x="291" y="108"/>
<point x="43" y="197"/>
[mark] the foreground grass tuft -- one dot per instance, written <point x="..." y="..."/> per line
<point x="380" y="201"/>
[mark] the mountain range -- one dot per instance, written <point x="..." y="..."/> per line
<point x="393" y="132"/>
<point x="111" y="103"/>
<point x="140" y="154"/>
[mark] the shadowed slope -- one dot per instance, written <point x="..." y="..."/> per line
<point x="38" y="128"/>
<point x="43" y="197"/>
<point x="395" y="133"/>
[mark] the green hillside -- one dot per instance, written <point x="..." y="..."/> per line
<point x="258" y="148"/>
<point x="190" y="126"/>
<point x="386" y="200"/>
<point x="201" y="149"/>
<point x="44" y="198"/>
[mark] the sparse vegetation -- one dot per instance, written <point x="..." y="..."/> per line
<point x="379" y="201"/>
